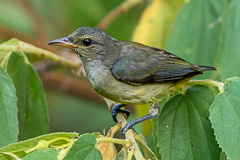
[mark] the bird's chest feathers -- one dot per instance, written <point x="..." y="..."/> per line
<point x="97" y="74"/>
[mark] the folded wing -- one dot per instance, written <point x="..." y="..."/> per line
<point x="145" y="64"/>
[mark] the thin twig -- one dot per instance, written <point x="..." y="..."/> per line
<point x="113" y="130"/>
<point x="40" y="27"/>
<point x="124" y="7"/>
<point x="113" y="140"/>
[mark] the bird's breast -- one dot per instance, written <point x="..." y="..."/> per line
<point x="98" y="76"/>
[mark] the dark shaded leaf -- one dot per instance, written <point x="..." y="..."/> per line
<point x="122" y="155"/>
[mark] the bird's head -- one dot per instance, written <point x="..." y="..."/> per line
<point x="90" y="44"/>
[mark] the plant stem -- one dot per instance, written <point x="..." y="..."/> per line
<point x="130" y="154"/>
<point x="113" y="140"/>
<point x="113" y="130"/>
<point x="59" y="139"/>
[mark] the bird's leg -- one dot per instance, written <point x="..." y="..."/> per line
<point x="154" y="111"/>
<point x="116" y="109"/>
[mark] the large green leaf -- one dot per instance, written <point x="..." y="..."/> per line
<point x="8" y="110"/>
<point x="19" y="148"/>
<point x="32" y="106"/>
<point x="229" y="40"/>
<point x="84" y="148"/>
<point x="183" y="130"/>
<point x="225" y="118"/>
<point x="44" y="154"/>
<point x="194" y="35"/>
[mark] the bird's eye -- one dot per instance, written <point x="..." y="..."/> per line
<point x="87" y="42"/>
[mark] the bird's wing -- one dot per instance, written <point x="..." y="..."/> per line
<point x="142" y="64"/>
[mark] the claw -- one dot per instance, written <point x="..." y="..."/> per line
<point x="116" y="109"/>
<point x="125" y="128"/>
<point x="154" y="111"/>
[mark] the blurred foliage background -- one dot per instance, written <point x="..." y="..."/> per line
<point x="205" y="32"/>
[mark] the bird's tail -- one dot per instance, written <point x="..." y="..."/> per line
<point x="206" y="68"/>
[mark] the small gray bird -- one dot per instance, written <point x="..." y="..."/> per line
<point x="129" y="73"/>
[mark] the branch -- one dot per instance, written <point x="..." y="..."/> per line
<point x="40" y="27"/>
<point x="7" y="33"/>
<point x="115" y="13"/>
<point x="30" y="49"/>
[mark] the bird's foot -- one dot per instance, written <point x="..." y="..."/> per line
<point x="132" y="123"/>
<point x="127" y="127"/>
<point x="116" y="109"/>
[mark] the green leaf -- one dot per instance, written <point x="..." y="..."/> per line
<point x="224" y="115"/>
<point x="147" y="151"/>
<point x="2" y="55"/>
<point x="84" y="148"/>
<point x="8" y="110"/>
<point x="32" y="106"/>
<point x="194" y="35"/>
<point x="44" y="154"/>
<point x="183" y="130"/>
<point x="19" y="148"/>
<point x="121" y="155"/>
<point x="229" y="40"/>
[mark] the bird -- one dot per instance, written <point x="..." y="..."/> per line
<point x="129" y="73"/>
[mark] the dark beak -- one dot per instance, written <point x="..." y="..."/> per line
<point x="62" y="42"/>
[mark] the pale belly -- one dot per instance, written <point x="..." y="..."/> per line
<point x="135" y="94"/>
